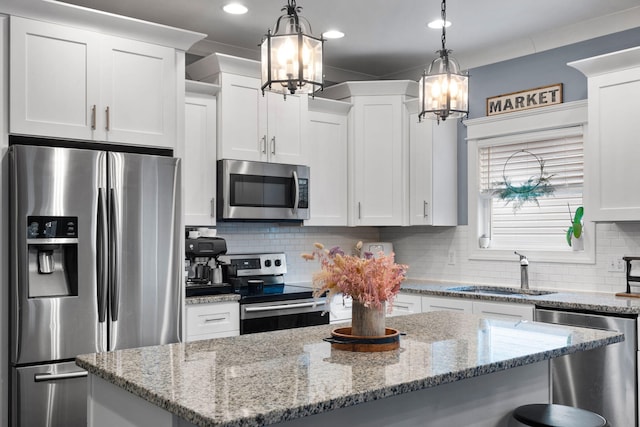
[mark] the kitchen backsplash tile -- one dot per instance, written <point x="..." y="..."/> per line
<point x="426" y="250"/>
<point x="293" y="240"/>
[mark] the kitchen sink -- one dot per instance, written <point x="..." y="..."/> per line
<point x="495" y="290"/>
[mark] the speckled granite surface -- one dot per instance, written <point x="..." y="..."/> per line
<point x="590" y="301"/>
<point x="208" y="299"/>
<point x="260" y="379"/>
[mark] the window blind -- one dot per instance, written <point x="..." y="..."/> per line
<point x="541" y="225"/>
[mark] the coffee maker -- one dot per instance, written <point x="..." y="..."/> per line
<point x="204" y="272"/>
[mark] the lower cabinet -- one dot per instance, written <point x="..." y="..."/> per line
<point x="406" y="304"/>
<point x="503" y="310"/>
<point x="340" y="309"/>
<point x="447" y="304"/>
<point x="481" y="308"/>
<point x="213" y="320"/>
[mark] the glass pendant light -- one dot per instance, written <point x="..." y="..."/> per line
<point x="291" y="56"/>
<point x="444" y="89"/>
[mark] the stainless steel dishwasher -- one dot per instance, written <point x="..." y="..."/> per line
<point x="603" y="380"/>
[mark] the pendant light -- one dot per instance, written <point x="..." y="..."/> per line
<point x="291" y="56"/>
<point x="444" y="89"/>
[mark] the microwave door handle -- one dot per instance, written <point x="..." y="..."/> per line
<point x="296" y="193"/>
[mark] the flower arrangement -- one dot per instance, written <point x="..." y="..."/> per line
<point x="368" y="279"/>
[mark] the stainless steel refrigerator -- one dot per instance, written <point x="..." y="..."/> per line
<point x="95" y="267"/>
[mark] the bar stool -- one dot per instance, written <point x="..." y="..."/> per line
<point x="552" y="415"/>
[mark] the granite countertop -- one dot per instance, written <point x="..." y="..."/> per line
<point x="223" y="382"/>
<point x="568" y="300"/>
<point x="208" y="299"/>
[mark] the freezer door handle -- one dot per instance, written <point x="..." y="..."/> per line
<point x="102" y="256"/>
<point x="114" y="239"/>
<point x="63" y="376"/>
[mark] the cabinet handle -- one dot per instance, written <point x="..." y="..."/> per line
<point x="214" y="319"/>
<point x="425" y="209"/>
<point x="273" y="145"/>
<point x="108" y="119"/>
<point x="213" y="207"/>
<point x="263" y="144"/>
<point x="359" y="211"/>
<point x="93" y="117"/>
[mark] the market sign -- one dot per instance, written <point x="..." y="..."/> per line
<point x="525" y="100"/>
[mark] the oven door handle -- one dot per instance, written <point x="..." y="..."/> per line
<point x="283" y="306"/>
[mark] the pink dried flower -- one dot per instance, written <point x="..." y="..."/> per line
<point x="370" y="280"/>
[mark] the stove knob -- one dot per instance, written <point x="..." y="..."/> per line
<point x="278" y="263"/>
<point x="267" y="263"/>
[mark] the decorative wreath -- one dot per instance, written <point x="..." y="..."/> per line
<point x="528" y="191"/>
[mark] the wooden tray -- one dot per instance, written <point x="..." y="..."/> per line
<point x="341" y="339"/>
<point x="628" y="295"/>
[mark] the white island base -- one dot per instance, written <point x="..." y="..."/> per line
<point x="483" y="401"/>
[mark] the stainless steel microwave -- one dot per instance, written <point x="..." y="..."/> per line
<point x="262" y="191"/>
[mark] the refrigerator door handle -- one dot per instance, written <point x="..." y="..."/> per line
<point x="114" y="238"/>
<point x="63" y="376"/>
<point x="102" y="256"/>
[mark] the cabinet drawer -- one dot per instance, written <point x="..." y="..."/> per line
<point x="406" y="304"/>
<point x="212" y="320"/>
<point x="340" y="309"/>
<point x="503" y="310"/>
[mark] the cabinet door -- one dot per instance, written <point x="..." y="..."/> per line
<point x="378" y="160"/>
<point x="199" y="162"/>
<point x="138" y="93"/>
<point x="503" y="310"/>
<point x="406" y="304"/>
<point x="611" y="151"/>
<point x="420" y="170"/>
<point x="433" y="172"/>
<point x="242" y="128"/>
<point x="216" y="320"/>
<point x="286" y="128"/>
<point x="340" y="309"/>
<point x="446" y="304"/>
<point x="328" y="168"/>
<point x="54" y="73"/>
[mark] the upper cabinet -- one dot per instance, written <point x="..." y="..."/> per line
<point x="433" y="159"/>
<point x="328" y="162"/>
<point x="199" y="157"/>
<point x="378" y="149"/>
<point x="253" y="126"/>
<point x="68" y="82"/>
<point x="611" y="150"/>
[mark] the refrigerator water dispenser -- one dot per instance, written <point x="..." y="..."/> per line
<point x="52" y="244"/>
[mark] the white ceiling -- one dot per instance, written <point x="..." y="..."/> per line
<point x="389" y="38"/>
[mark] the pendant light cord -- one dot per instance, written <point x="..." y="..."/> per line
<point x="443" y="14"/>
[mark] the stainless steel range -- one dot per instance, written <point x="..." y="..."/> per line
<point x="267" y="303"/>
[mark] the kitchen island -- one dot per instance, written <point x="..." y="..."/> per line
<point x="451" y="369"/>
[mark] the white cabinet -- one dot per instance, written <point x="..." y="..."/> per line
<point x="406" y="304"/>
<point x="340" y="309"/>
<point x="433" y="182"/>
<point x="199" y="158"/>
<point x="213" y="320"/>
<point x="72" y="83"/>
<point x="328" y="162"/>
<point x="253" y="126"/>
<point x="378" y="149"/>
<point x="611" y="149"/>
<point x="447" y="304"/>
<point x="503" y="310"/>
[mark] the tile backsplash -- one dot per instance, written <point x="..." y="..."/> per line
<point x="426" y="251"/>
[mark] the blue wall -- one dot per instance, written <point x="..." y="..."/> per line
<point x="540" y="69"/>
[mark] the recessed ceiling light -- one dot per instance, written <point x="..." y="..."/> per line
<point x="437" y="24"/>
<point x="333" y="34"/>
<point x="235" y="9"/>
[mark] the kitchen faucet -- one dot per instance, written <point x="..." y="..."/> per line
<point x="524" y="271"/>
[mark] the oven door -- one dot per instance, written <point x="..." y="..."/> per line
<point x="262" y="191"/>
<point x="275" y="315"/>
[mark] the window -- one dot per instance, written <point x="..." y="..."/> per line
<point x="543" y="220"/>
<point x="510" y="149"/>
